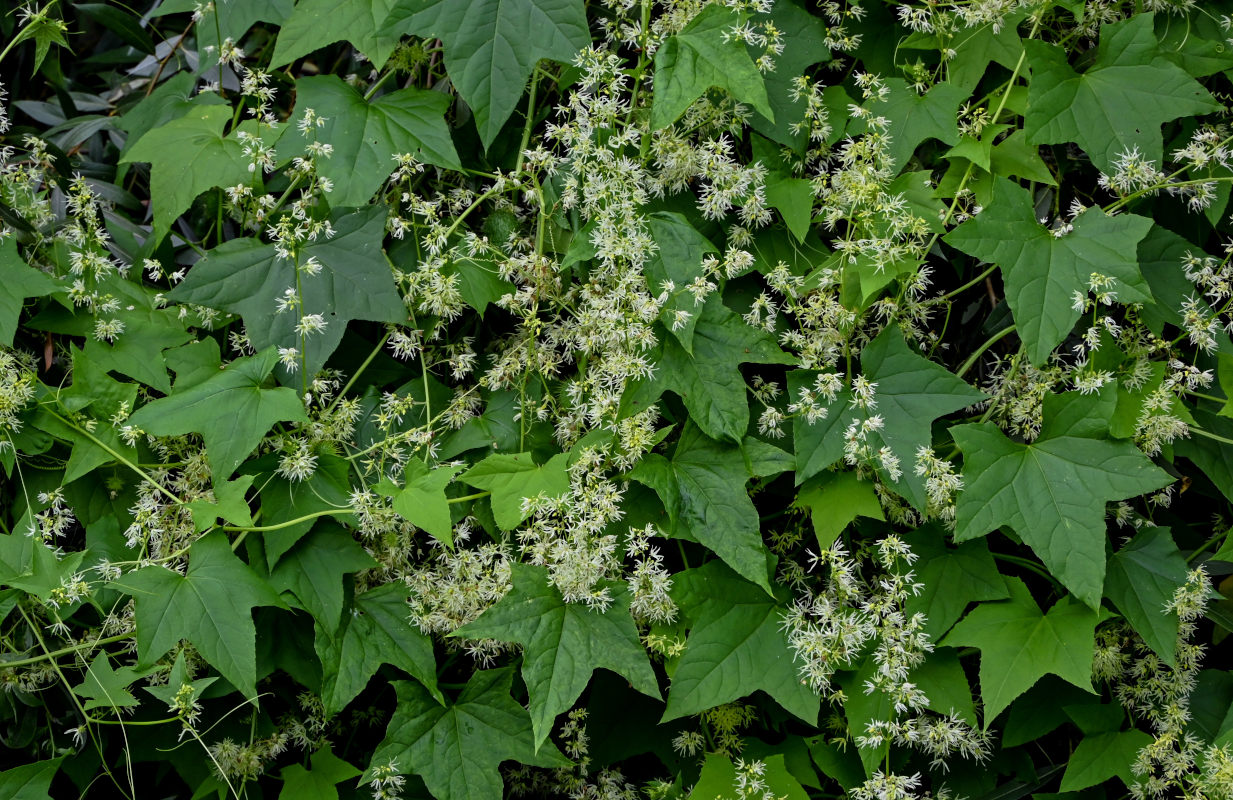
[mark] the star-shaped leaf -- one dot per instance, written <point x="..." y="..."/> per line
<point x="911" y="393"/>
<point x="719" y="775"/>
<point x="709" y="379"/>
<point x="1019" y="645"/>
<point x="377" y="632"/>
<point x="456" y="749"/>
<point x="981" y="45"/>
<point x="229" y="19"/>
<point x="1102" y="756"/>
<point x="313" y="571"/>
<point x="836" y="500"/>
<point x="916" y="117"/>
<point x="804" y="44"/>
<point x="564" y="643"/>
<point x="491" y="46"/>
<point x="229" y="504"/>
<point x="137" y="352"/>
<point x="367" y="135"/>
<point x="701" y="56"/>
<point x="328" y="770"/>
<point x="1117" y="104"/>
<point x="104" y="687"/>
<point x="1052" y="492"/>
<point x="678" y="256"/>
<point x="372" y="26"/>
<point x="422" y="500"/>
<point x="703" y="491"/>
<point x="176" y="682"/>
<point x="940" y="568"/>
<point x="1141" y="580"/>
<point x="231" y="410"/>
<point x="248" y="278"/>
<point x="513" y="477"/>
<point x="1042" y="271"/>
<point x="736" y="646"/>
<point x="211" y="606"/>
<point x="20" y="281"/>
<point x="189" y="155"/>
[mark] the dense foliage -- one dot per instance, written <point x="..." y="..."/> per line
<point x="616" y="399"/>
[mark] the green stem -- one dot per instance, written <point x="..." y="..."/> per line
<point x="54" y="654"/>
<point x="144" y="475"/>
<point x="980" y="351"/>
<point x="377" y="84"/>
<point x="1212" y="436"/>
<point x="288" y="524"/>
<point x="956" y="292"/>
<point x="466" y="497"/>
<point x="1203" y="547"/>
<point x="358" y="372"/>
<point x="530" y="121"/>
<point x="1031" y="566"/>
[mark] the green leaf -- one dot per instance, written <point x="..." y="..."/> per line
<point x="422" y="501"/>
<point x="456" y="749"/>
<point x="377" y="632"/>
<point x="862" y="708"/>
<point x="1140" y="580"/>
<point x="248" y="278"/>
<point x="313" y="571"/>
<point x="28" y="564"/>
<point x="1013" y="157"/>
<point x="941" y="568"/>
<point x="228" y="19"/>
<point x="703" y="491"/>
<point x="229" y="504"/>
<point x="1043" y="272"/>
<point x="328" y="770"/>
<point x="1053" y="491"/>
<point x="29" y="781"/>
<point x="709" y="379"/>
<point x="837" y="499"/>
<point x="944" y="682"/>
<point x="1019" y="645"/>
<point x="702" y="56"/>
<point x="172" y="99"/>
<point x="911" y="393"/>
<point x="1214" y="458"/>
<point x="46" y="30"/>
<point x="916" y="117"/>
<point x="804" y="44"/>
<point x="137" y="352"/>
<point x="563" y="643"/>
<point x="737" y="646"/>
<point x="1117" y="104"/>
<point x="372" y="26"/>
<point x="491" y="46"/>
<point x="187" y="156"/>
<point x="1103" y="756"/>
<point x="94" y="389"/>
<point x="719" y="779"/>
<point x="211" y="606"/>
<point x="680" y="249"/>
<point x="793" y="197"/>
<point x="104" y="687"/>
<point x="511" y="478"/>
<point x="176" y="681"/>
<point x="982" y="45"/>
<point x="20" y="281"/>
<point x="230" y="410"/>
<point x="367" y="135"/>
